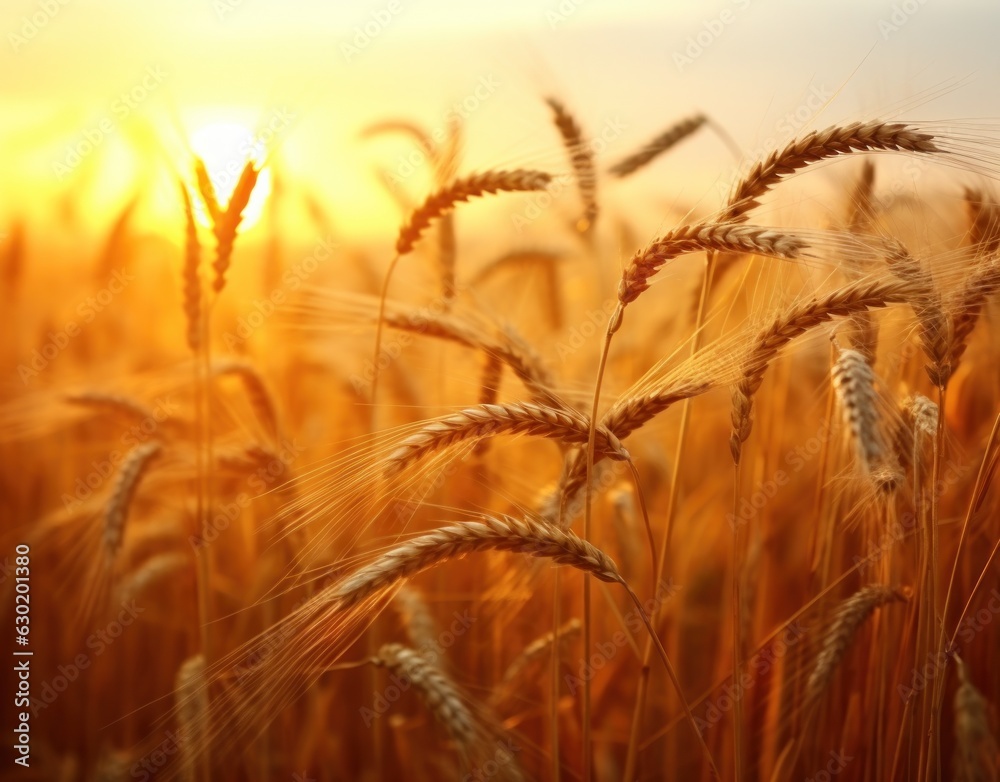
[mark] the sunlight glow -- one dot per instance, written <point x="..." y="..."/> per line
<point x="225" y="147"/>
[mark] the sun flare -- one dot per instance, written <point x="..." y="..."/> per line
<point x="225" y="147"/>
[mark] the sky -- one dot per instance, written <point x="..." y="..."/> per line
<point x="140" y="79"/>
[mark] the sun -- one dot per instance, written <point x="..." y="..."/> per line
<point x="225" y="148"/>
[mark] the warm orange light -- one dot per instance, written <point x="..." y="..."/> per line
<point x="225" y="147"/>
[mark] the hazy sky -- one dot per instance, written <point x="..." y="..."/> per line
<point x="762" y="69"/>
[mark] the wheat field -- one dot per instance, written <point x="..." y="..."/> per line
<point x="519" y="490"/>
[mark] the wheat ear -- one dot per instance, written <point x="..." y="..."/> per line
<point x="500" y="533"/>
<point x="207" y="190"/>
<point x="462" y="190"/>
<point x="976" y="751"/>
<point x="717" y="236"/>
<point x="133" y="469"/>
<point x="192" y="269"/>
<point x="862" y="203"/>
<point x="984" y="222"/>
<point x="192" y="711"/>
<point x="847" y="619"/>
<point x="489" y="390"/>
<point x="582" y="160"/>
<point x="511" y="418"/>
<point x="854" y="384"/>
<point x="225" y="222"/>
<point x="852" y="298"/>
<point x="819" y="145"/>
<point x="518" y="180"/>
<point x="982" y="284"/>
<point x="112" y="403"/>
<point x="533" y="651"/>
<point x="258" y="395"/>
<point x="437" y="690"/>
<point x="508" y="346"/>
<point x="653" y="149"/>
<point x="420" y="625"/>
